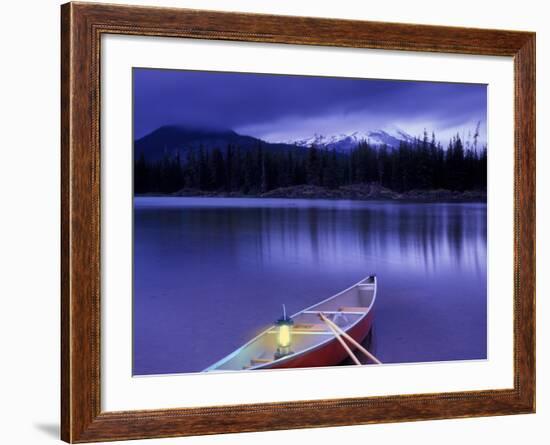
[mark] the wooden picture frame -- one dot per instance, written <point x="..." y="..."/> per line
<point x="82" y="26"/>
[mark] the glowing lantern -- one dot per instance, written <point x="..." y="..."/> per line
<point x="284" y="335"/>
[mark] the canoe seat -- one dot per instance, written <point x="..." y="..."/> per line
<point x="259" y="361"/>
<point x="311" y="327"/>
<point x="354" y="309"/>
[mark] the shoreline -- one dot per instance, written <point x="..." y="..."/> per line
<point x="359" y="192"/>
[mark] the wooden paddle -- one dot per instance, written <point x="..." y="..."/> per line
<point x="335" y="328"/>
<point x="344" y="345"/>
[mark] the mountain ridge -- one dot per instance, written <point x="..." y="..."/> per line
<point x="173" y="139"/>
<point x="170" y="140"/>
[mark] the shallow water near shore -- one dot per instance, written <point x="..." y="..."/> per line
<point x="210" y="273"/>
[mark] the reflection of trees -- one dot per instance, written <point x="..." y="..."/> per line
<point x="407" y="234"/>
<point x="314" y="218"/>
<point x="423" y="235"/>
<point x="455" y="234"/>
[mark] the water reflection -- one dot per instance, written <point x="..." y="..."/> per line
<point x="211" y="272"/>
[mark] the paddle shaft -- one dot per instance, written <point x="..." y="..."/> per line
<point x="344" y="345"/>
<point x="335" y="327"/>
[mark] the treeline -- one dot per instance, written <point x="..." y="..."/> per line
<point x="422" y="164"/>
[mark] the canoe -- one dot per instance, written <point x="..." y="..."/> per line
<point x="313" y="343"/>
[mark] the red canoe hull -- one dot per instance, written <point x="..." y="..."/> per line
<point x="328" y="354"/>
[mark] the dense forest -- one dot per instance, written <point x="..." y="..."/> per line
<point x="422" y="164"/>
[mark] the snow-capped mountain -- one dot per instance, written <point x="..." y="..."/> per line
<point x="345" y="142"/>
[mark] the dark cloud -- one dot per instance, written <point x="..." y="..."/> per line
<point x="277" y="106"/>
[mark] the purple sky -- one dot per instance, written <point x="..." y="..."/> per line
<point x="280" y="107"/>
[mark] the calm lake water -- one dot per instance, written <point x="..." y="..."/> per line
<point x="210" y="273"/>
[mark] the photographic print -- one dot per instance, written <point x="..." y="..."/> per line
<point x="285" y="221"/>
